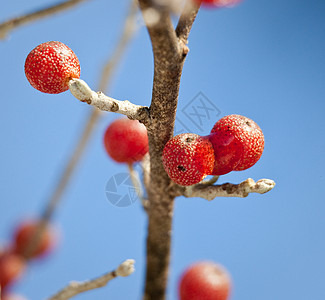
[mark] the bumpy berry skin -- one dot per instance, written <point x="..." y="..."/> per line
<point x="50" y="66"/>
<point x="11" y="268"/>
<point x="24" y="234"/>
<point x="227" y="151"/>
<point x="247" y="134"/>
<point x="188" y="158"/>
<point x="126" y="141"/>
<point x="218" y="3"/>
<point x="205" y="280"/>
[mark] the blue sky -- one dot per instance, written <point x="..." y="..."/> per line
<point x="262" y="59"/>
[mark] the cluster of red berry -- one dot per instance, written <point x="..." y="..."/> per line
<point x="235" y="143"/>
<point x="13" y="258"/>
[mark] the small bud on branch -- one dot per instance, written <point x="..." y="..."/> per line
<point x="74" y="288"/>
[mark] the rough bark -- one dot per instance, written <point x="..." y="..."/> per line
<point x="169" y="56"/>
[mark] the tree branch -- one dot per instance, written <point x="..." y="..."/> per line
<point x="210" y="192"/>
<point x="75" y="288"/>
<point x="11" y="24"/>
<point x="186" y="20"/>
<point x="160" y="28"/>
<point x="83" y="92"/>
<point x="169" y="57"/>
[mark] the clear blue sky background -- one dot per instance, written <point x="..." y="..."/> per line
<point x="263" y="59"/>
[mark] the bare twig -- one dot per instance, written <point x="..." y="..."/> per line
<point x="210" y="192"/>
<point x="90" y="125"/>
<point x="11" y="24"/>
<point x="83" y="92"/>
<point x="134" y="175"/>
<point x="75" y="288"/>
<point x="169" y="57"/>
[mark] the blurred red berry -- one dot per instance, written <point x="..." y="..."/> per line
<point x="12" y="266"/>
<point x="204" y="281"/>
<point x="126" y="141"/>
<point x="247" y="134"/>
<point x="12" y="297"/>
<point x="50" y="66"/>
<point x="218" y="3"/>
<point x="24" y="236"/>
<point x="188" y="158"/>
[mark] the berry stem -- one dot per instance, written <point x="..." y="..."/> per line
<point x="211" y="181"/>
<point x="83" y="92"/>
<point x="134" y="175"/>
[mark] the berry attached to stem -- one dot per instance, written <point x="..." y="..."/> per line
<point x="248" y="139"/>
<point x="188" y="158"/>
<point x="126" y="141"/>
<point x="50" y="66"/>
<point x="204" y="280"/>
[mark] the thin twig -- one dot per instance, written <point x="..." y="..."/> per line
<point x="134" y="175"/>
<point x="90" y="125"/>
<point x="210" y="192"/>
<point x="11" y="24"/>
<point x="75" y="288"/>
<point x="83" y="92"/>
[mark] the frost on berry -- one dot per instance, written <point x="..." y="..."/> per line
<point x="188" y="158"/>
<point x="247" y="134"/>
<point x="126" y="141"/>
<point x="50" y="66"/>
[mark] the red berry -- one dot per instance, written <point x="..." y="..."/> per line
<point x="204" y="281"/>
<point x="24" y="235"/>
<point x="227" y="151"/>
<point x="247" y="134"/>
<point x="188" y="158"/>
<point x="12" y="297"/>
<point x="126" y="141"/>
<point x="12" y="266"/>
<point x="50" y="66"/>
<point x="219" y="3"/>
